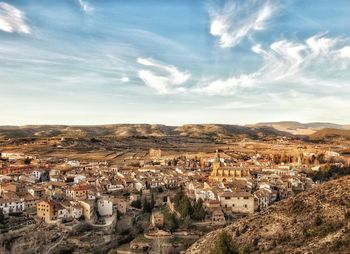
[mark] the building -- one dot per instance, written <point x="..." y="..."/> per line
<point x="10" y="206"/>
<point x="155" y="153"/>
<point x="223" y="174"/>
<point x="237" y="202"/>
<point x="76" y="210"/>
<point x="263" y="197"/>
<point x="40" y="175"/>
<point x="105" y="207"/>
<point x="121" y="204"/>
<point x="88" y="208"/>
<point x="37" y="192"/>
<point x="218" y="217"/>
<point x="47" y="210"/>
<point x="63" y="213"/>
<point x="78" y="192"/>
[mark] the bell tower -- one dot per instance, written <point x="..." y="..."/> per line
<point x="216" y="164"/>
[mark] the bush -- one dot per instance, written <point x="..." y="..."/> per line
<point x="224" y="245"/>
<point x="318" y="221"/>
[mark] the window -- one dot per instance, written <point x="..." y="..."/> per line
<point x="246" y="206"/>
<point x="245" y="197"/>
<point x="227" y="198"/>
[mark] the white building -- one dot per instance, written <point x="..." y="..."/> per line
<point x="105" y="207"/>
<point x="63" y="213"/>
<point x="237" y="202"/>
<point x="76" y="211"/>
<point x="79" y="178"/>
<point x="37" y="174"/>
<point x="73" y="163"/>
<point x="114" y="187"/>
<point x="12" y="206"/>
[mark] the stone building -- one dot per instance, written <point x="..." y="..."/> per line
<point x="224" y="174"/>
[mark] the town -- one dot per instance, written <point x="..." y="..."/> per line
<point x="155" y="201"/>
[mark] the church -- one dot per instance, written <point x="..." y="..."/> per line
<point x="226" y="174"/>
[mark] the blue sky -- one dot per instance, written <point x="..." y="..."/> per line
<point x="174" y="61"/>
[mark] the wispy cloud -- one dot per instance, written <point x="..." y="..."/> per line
<point x="315" y="61"/>
<point x="85" y="6"/>
<point x="237" y="105"/>
<point x="235" y="20"/>
<point x="163" y="78"/>
<point x="12" y="20"/>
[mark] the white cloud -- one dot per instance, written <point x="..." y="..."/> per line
<point x="345" y="52"/>
<point x="12" y="20"/>
<point x="85" y="6"/>
<point x="319" y="60"/>
<point x="165" y="78"/>
<point x="233" y="21"/>
<point x="124" y="79"/>
<point x="228" y="86"/>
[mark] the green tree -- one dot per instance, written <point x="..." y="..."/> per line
<point x="152" y="201"/>
<point x="198" y="210"/>
<point x="170" y="221"/>
<point x="183" y="204"/>
<point x="136" y="204"/>
<point x="27" y="161"/>
<point x="2" y="217"/>
<point x="147" y="206"/>
<point x="224" y="245"/>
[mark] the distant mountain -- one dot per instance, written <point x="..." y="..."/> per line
<point x="297" y="128"/>
<point x="141" y="130"/>
<point x="316" y="221"/>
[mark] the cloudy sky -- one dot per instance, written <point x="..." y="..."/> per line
<point x="174" y="61"/>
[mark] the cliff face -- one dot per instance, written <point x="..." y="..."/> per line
<point x="317" y="221"/>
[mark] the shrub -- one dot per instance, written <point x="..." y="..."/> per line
<point x="224" y="245"/>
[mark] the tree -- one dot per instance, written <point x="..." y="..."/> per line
<point x="224" y="245"/>
<point x="152" y="201"/>
<point x="2" y="217"/>
<point x="147" y="206"/>
<point x="27" y="161"/>
<point x="170" y="221"/>
<point x="136" y="204"/>
<point x="198" y="210"/>
<point x="183" y="204"/>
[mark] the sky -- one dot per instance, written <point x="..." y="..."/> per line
<point x="174" y="61"/>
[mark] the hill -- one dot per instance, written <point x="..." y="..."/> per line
<point x="330" y="135"/>
<point x="140" y="130"/>
<point x="297" y="128"/>
<point x="317" y="221"/>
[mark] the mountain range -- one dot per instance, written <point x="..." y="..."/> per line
<point x="315" y="131"/>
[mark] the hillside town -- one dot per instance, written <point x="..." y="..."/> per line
<point x="173" y="199"/>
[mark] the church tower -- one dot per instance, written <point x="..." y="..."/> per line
<point x="216" y="164"/>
